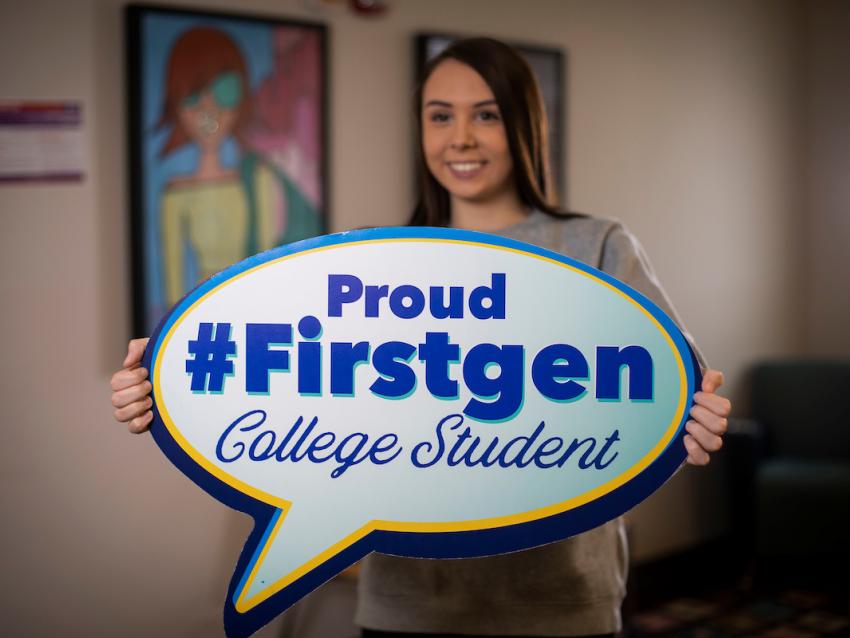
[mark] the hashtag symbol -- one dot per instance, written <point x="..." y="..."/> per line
<point x="209" y="361"/>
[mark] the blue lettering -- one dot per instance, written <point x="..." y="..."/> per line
<point x="349" y="451"/>
<point x="526" y="443"/>
<point x="555" y="363"/>
<point x="438" y="353"/>
<point x="342" y="289"/>
<point x="610" y="362"/>
<point x="260" y="360"/>
<point x="495" y="294"/>
<point x="507" y="388"/>
<point x="419" y="452"/>
<point x="397" y="380"/>
<point x="407" y="310"/>
<point x="520" y="451"/>
<point x="321" y="442"/>
<point x="345" y="357"/>
<point x="374" y="294"/>
<point x="439" y="310"/>
<point x="310" y="357"/>
<point x="238" y="445"/>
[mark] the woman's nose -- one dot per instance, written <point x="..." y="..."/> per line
<point x="462" y="135"/>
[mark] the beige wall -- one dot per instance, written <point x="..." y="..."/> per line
<point x="682" y="119"/>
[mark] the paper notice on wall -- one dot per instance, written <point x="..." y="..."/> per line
<point x="41" y="142"/>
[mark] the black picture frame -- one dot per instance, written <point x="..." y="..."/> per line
<point x="227" y="140"/>
<point x="548" y="64"/>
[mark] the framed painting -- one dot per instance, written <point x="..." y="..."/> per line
<point x="548" y="66"/>
<point x="228" y="145"/>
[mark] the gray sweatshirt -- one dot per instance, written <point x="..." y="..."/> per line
<point x="569" y="588"/>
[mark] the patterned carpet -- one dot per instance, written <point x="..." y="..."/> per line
<point x="785" y="613"/>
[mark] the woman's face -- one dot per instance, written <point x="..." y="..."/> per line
<point x="208" y="115"/>
<point x="463" y="136"/>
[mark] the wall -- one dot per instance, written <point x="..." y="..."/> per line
<point x="826" y="233"/>
<point x="682" y="122"/>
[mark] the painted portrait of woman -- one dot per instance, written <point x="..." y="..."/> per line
<point x="233" y="150"/>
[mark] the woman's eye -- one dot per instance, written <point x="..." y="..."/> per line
<point x="488" y="116"/>
<point x="439" y="117"/>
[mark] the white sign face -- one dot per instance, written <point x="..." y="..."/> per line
<point x="363" y="391"/>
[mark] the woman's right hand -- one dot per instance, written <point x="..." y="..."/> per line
<point x="131" y="390"/>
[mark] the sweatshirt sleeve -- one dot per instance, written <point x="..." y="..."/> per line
<point x="624" y="258"/>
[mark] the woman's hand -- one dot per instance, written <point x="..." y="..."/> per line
<point x="707" y="424"/>
<point x="131" y="390"/>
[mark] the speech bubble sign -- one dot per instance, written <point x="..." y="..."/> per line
<point x="422" y="392"/>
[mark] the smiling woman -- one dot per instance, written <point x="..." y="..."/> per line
<point x="483" y="165"/>
<point x="484" y="157"/>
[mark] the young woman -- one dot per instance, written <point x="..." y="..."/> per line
<point x="483" y="166"/>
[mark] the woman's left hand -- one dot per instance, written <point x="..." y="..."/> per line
<point x="707" y="424"/>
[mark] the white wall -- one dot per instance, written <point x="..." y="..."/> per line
<point x="682" y="120"/>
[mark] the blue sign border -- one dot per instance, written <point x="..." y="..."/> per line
<point x="458" y="544"/>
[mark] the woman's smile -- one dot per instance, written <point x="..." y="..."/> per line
<point x="467" y="169"/>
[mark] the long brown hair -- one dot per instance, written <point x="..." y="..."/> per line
<point x="521" y="107"/>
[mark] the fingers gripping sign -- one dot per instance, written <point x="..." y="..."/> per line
<point x="708" y="420"/>
<point x="131" y="390"/>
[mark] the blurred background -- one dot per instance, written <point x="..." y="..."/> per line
<point x="717" y="130"/>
